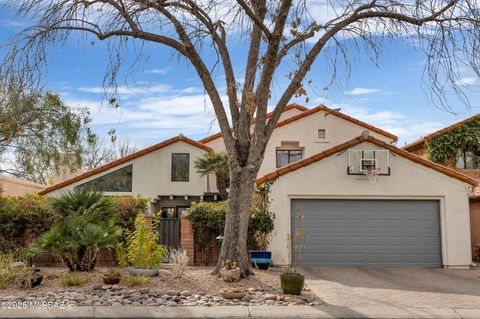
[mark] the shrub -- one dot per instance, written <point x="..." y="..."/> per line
<point x="74" y="280"/>
<point x="141" y="249"/>
<point x="22" y="219"/>
<point x="10" y="274"/>
<point x="134" y="281"/>
<point x="128" y="207"/>
<point x="87" y="225"/>
<point x="208" y="221"/>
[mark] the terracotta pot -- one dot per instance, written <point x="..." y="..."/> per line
<point x="292" y="284"/>
<point x="111" y="280"/>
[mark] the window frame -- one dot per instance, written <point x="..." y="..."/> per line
<point x="324" y="134"/>
<point x="130" y="186"/>
<point x="289" y="156"/>
<point x="172" y="169"/>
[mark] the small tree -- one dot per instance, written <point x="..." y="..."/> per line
<point x="87" y="225"/>
<point x="215" y="163"/>
<point x="39" y="133"/>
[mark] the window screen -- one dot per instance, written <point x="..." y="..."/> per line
<point x="322" y="133"/>
<point x="285" y="157"/>
<point x="180" y="167"/>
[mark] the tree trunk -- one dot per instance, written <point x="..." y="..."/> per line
<point x="234" y="245"/>
<point x="221" y="187"/>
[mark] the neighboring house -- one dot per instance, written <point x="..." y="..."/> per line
<point x="415" y="214"/>
<point x="466" y="162"/>
<point x="11" y="186"/>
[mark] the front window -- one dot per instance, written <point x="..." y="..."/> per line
<point x="117" y="181"/>
<point x="467" y="159"/>
<point x="285" y="157"/>
<point x="180" y="167"/>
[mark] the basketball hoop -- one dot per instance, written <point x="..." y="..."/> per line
<point x="372" y="174"/>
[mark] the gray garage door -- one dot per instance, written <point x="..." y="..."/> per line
<point x="369" y="233"/>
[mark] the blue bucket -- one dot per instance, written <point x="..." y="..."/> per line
<point x="260" y="259"/>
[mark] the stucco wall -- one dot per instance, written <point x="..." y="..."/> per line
<point x="305" y="131"/>
<point x="328" y="179"/>
<point x="152" y="174"/>
<point x="13" y="186"/>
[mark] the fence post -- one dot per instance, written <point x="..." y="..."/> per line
<point x="149" y="219"/>
<point x="187" y="240"/>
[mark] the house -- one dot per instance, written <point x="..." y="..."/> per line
<point x="365" y="202"/>
<point x="466" y="162"/>
<point x="11" y="186"/>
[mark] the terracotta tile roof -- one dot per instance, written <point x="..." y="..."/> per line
<point x="342" y="147"/>
<point x="287" y="108"/>
<point x="419" y="142"/>
<point x="317" y="109"/>
<point x="125" y="159"/>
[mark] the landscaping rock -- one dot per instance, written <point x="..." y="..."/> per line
<point x="185" y="293"/>
<point x="173" y="293"/>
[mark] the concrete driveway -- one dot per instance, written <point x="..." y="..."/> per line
<point x="424" y="288"/>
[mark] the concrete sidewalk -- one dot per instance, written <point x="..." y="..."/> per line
<point x="242" y="312"/>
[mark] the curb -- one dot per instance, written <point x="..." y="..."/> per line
<point x="233" y="312"/>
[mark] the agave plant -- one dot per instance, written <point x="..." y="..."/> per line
<point x="87" y="225"/>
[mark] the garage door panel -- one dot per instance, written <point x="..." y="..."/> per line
<point x="370" y="233"/>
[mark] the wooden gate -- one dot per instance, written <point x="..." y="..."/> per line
<point x="169" y="229"/>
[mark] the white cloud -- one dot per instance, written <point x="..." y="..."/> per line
<point x="127" y="90"/>
<point x="10" y="23"/>
<point x="467" y="81"/>
<point x="163" y="71"/>
<point x="320" y="100"/>
<point x="145" y="120"/>
<point x="362" y="91"/>
<point x="404" y="126"/>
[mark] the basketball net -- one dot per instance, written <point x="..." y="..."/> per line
<point x="372" y="174"/>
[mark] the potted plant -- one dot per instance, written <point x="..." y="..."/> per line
<point x="112" y="277"/>
<point x="230" y="272"/>
<point x="141" y="254"/>
<point x="261" y="257"/>
<point x="260" y="230"/>
<point x="292" y="282"/>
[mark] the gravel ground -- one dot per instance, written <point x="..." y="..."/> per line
<point x="196" y="287"/>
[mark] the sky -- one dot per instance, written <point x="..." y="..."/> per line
<point x="162" y="96"/>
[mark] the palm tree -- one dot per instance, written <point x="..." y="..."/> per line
<point x="87" y="225"/>
<point x="215" y="163"/>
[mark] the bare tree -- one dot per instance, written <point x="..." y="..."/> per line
<point x="99" y="152"/>
<point x="273" y="32"/>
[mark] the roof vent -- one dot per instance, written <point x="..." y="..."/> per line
<point x="365" y="134"/>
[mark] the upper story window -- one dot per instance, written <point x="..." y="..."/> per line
<point x="117" y="181"/>
<point x="285" y="157"/>
<point x="467" y="159"/>
<point x="180" y="167"/>
<point x="322" y="134"/>
<point x="288" y="152"/>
